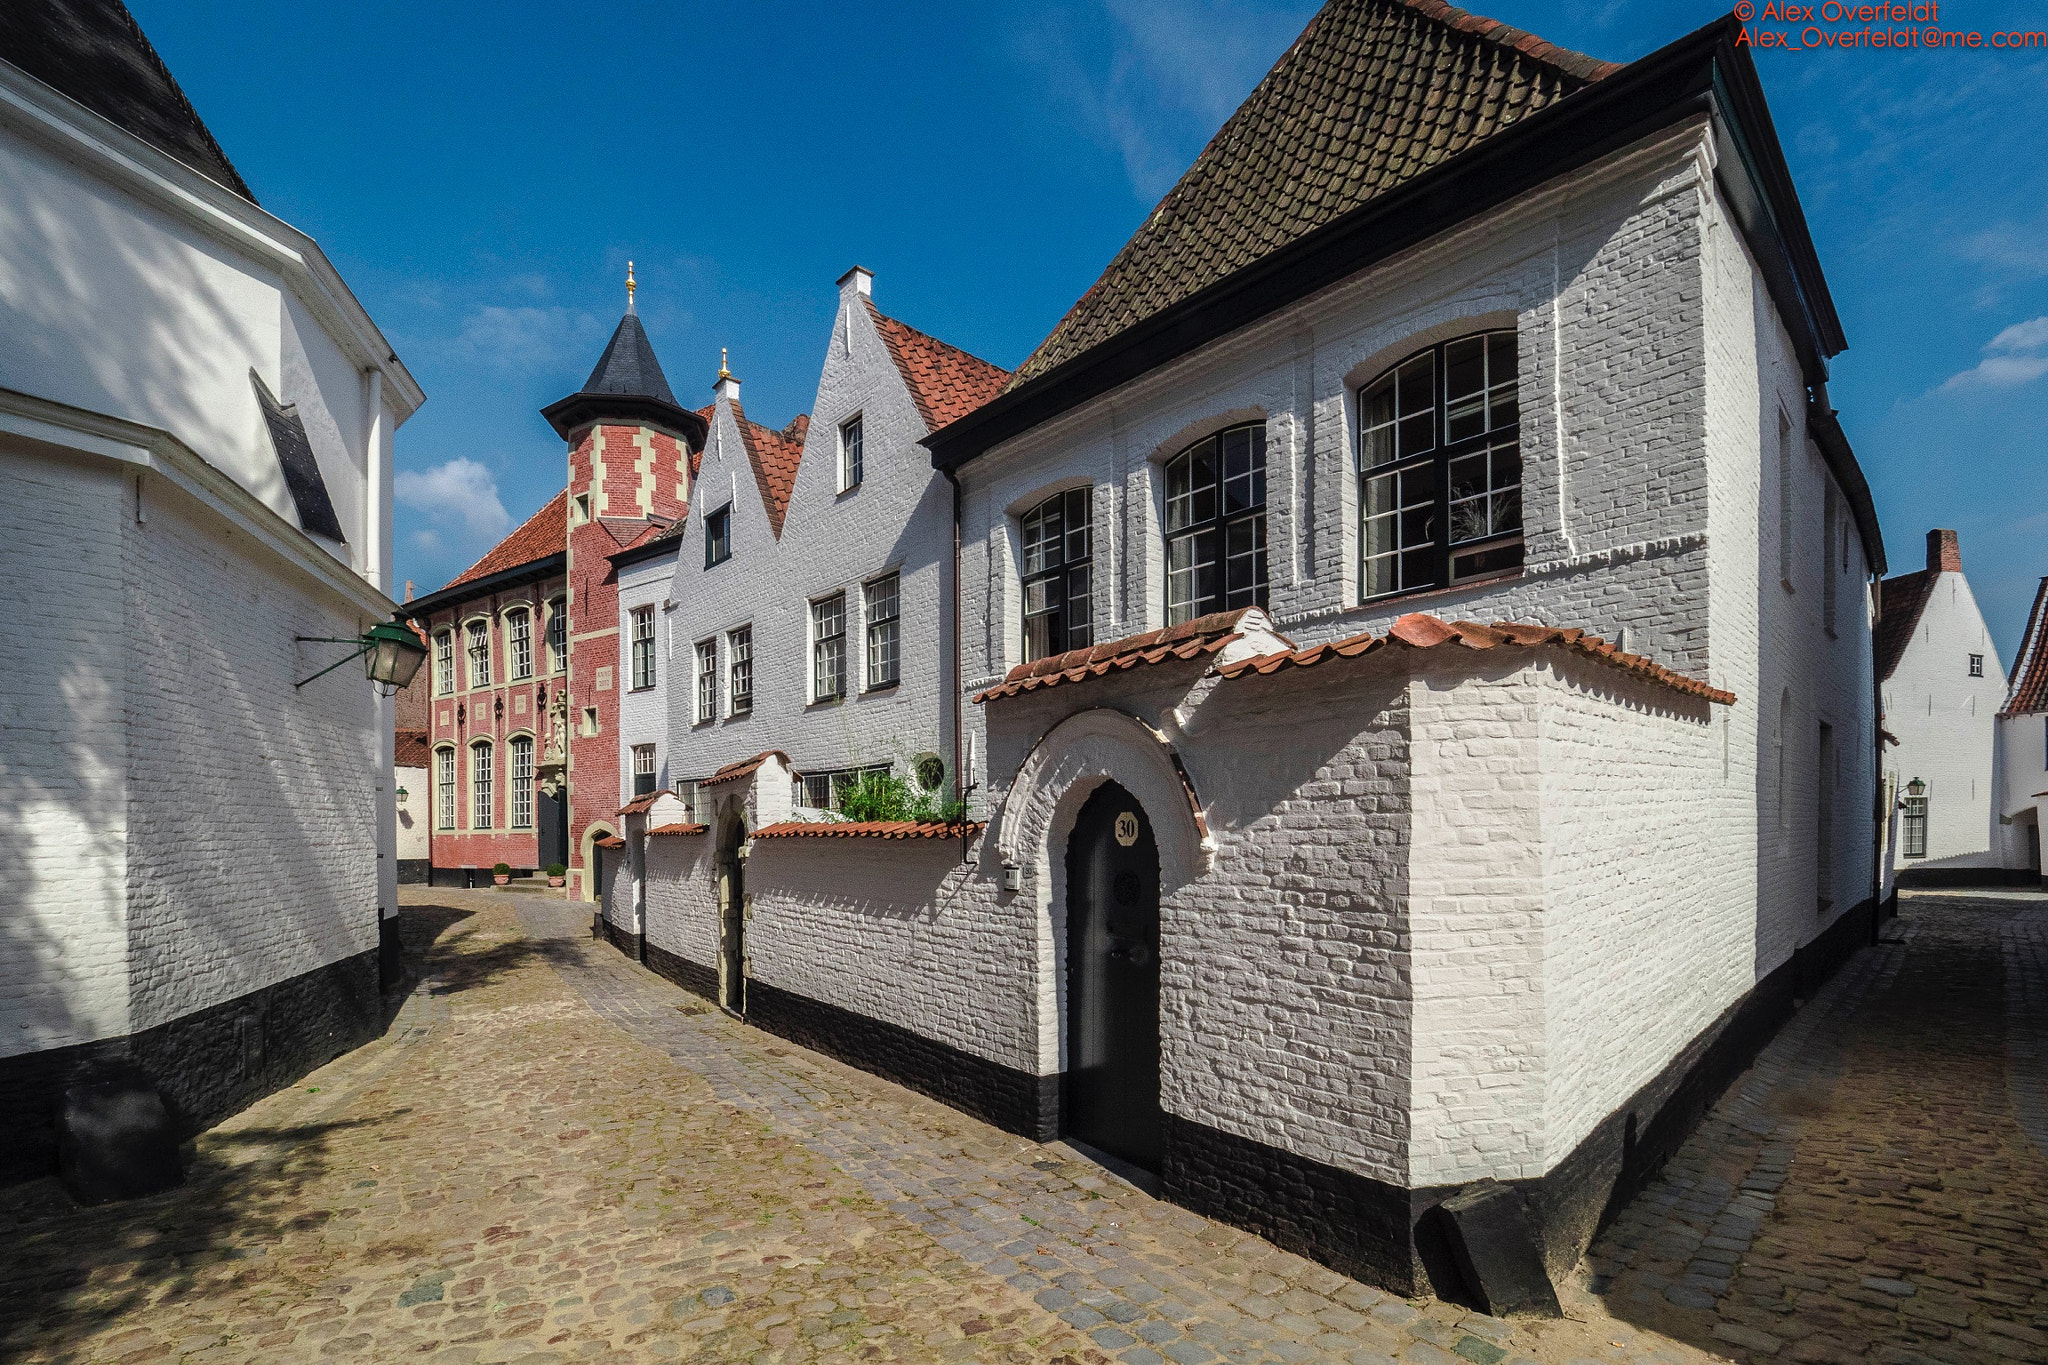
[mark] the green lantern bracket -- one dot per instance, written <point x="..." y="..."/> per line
<point x="391" y="654"/>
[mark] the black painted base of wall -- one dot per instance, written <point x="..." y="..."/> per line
<point x="390" y="954"/>
<point x="209" y="1064"/>
<point x="414" y="871"/>
<point x="632" y="945"/>
<point x="1910" y="877"/>
<point x="1012" y="1100"/>
<point x="693" y="977"/>
<point x="469" y="878"/>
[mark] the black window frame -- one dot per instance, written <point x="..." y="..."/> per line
<point x="884" y="632"/>
<point x="1185" y="488"/>
<point x="1913" y="827"/>
<point x="646" y="672"/>
<point x="852" y="453"/>
<point x="718" y="537"/>
<point x="1432" y="507"/>
<point x="643" y="782"/>
<point x="739" y="651"/>
<point x="823" y="644"/>
<point x="704" y="681"/>
<point x="1064" y="632"/>
<point x="558" y="635"/>
<point x="1976" y="665"/>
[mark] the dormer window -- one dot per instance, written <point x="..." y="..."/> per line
<point x="1216" y="525"/>
<point x="850" y="466"/>
<point x="1440" y="468"/>
<point x="718" y="536"/>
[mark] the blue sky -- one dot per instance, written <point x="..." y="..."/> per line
<point x="481" y="173"/>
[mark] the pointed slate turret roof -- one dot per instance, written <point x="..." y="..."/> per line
<point x="94" y="52"/>
<point x="1372" y="94"/>
<point x="627" y="387"/>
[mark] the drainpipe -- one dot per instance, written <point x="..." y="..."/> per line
<point x="960" y="783"/>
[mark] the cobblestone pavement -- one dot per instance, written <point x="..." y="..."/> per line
<point x="1876" y="1187"/>
<point x="553" y="1155"/>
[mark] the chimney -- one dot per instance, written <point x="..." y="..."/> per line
<point x="727" y="387"/>
<point x="1943" y="554"/>
<point x="859" y="280"/>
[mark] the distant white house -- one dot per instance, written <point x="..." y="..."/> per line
<point x="2022" y="756"/>
<point x="196" y="833"/>
<point x="1941" y="688"/>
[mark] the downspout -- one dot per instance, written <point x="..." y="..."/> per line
<point x="960" y="784"/>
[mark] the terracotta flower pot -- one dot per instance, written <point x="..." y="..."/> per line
<point x="558" y="881"/>
<point x="502" y="879"/>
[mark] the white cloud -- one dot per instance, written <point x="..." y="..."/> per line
<point x="2018" y="355"/>
<point x="460" y="491"/>
<point x="517" y="338"/>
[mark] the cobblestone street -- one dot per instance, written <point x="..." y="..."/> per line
<point x="555" y="1155"/>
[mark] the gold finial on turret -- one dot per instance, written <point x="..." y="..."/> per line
<point x="723" y="372"/>
<point x="629" y="286"/>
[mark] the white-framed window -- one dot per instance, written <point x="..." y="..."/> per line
<point x="522" y="781"/>
<point x="882" y="600"/>
<point x="1976" y="665"/>
<point x="707" y="681"/>
<point x="1059" y="574"/>
<point x="591" y="726"/>
<point x="519" y="642"/>
<point x="1913" y="832"/>
<point x="1216" y="524"/>
<point x="643" y="648"/>
<point x="1440" y="468"/>
<point x="444" y="788"/>
<point x="718" y="536"/>
<point x="558" y="635"/>
<point x="739" y="653"/>
<point x="444" y="661"/>
<point x="686" y="792"/>
<point x="643" y="769"/>
<point x="828" y="647"/>
<point x="482" y="809"/>
<point x="850" y="455"/>
<point x="479" y="654"/>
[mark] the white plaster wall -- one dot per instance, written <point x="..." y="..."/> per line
<point x="253" y="819"/>
<point x="412" y="812"/>
<point x="2022" y="780"/>
<point x="1946" y="721"/>
<point x="64" y="778"/>
<point x="682" y="896"/>
<point x="643" y="712"/>
<point x="900" y="517"/>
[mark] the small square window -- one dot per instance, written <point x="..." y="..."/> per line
<point x="582" y="508"/>
<point x="718" y="536"/>
<point x="643" y="769"/>
<point x="1976" y="665"/>
<point x="590" y="725"/>
<point x="850" y="455"/>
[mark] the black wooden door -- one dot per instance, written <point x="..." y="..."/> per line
<point x="554" y="830"/>
<point x="1111" y="1098"/>
<point x="732" y="920"/>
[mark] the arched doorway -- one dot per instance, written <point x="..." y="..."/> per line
<point x="732" y="915"/>
<point x="1111" y="1091"/>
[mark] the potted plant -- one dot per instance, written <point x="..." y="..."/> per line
<point x="558" y="874"/>
<point x="501" y="873"/>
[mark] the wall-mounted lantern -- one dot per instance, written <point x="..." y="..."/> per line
<point x="1916" y="788"/>
<point x="391" y="653"/>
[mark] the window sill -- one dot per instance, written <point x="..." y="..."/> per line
<point x="825" y="701"/>
<point x="649" y="688"/>
<point x="848" y="491"/>
<point x="747" y="714"/>
<point x="1426" y="594"/>
<point x="889" y="686"/>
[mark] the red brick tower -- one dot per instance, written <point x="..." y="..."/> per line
<point x="632" y="451"/>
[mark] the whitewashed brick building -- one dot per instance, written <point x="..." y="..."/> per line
<point x="2022" y="750"/>
<point x="1416" y="629"/>
<point x="196" y="853"/>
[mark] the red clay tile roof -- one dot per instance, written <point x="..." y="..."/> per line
<point x="733" y="772"/>
<point x="1203" y="635"/>
<point x="544" y="533"/>
<point x="641" y="804"/>
<point x="944" y="381"/>
<point x="411" y="750"/>
<point x="679" y="829"/>
<point x="1418" y="631"/>
<point x="2029" y="690"/>
<point x="867" y="829"/>
<point x="1372" y="94"/>
<point x="609" y="841"/>
<point x="1900" y="602"/>
<point x="774" y="455"/>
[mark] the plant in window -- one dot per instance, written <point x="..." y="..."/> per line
<point x="1440" y="467"/>
<point x="1216" y="525"/>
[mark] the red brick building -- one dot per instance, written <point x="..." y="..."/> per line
<point x="523" y="685"/>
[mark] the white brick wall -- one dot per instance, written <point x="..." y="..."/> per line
<point x="1945" y="721"/>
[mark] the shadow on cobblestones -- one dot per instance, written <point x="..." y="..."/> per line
<point x="242" y="1195"/>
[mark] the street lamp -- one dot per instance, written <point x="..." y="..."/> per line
<point x="1916" y="788"/>
<point x="391" y="653"/>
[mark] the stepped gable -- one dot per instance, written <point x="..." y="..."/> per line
<point x="1372" y="94"/>
<point x="944" y="381"/>
<point x="94" y="52"/>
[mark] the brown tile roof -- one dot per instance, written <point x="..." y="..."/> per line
<point x="544" y="533"/>
<point x="944" y="381"/>
<point x="609" y="841"/>
<point x="733" y="772"/>
<point x="867" y="829"/>
<point x="679" y="829"/>
<point x="2029" y="689"/>
<point x="639" y="805"/>
<point x="1417" y="631"/>
<point x="1190" y="639"/>
<point x="1900" y="601"/>
<point x="774" y="455"/>
<point x="410" y="750"/>
<point x="1372" y="94"/>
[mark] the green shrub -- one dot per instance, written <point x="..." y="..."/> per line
<point x="557" y="869"/>
<point x="501" y="869"/>
<point x="881" y="796"/>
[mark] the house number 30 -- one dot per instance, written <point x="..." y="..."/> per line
<point x="1127" y="828"/>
